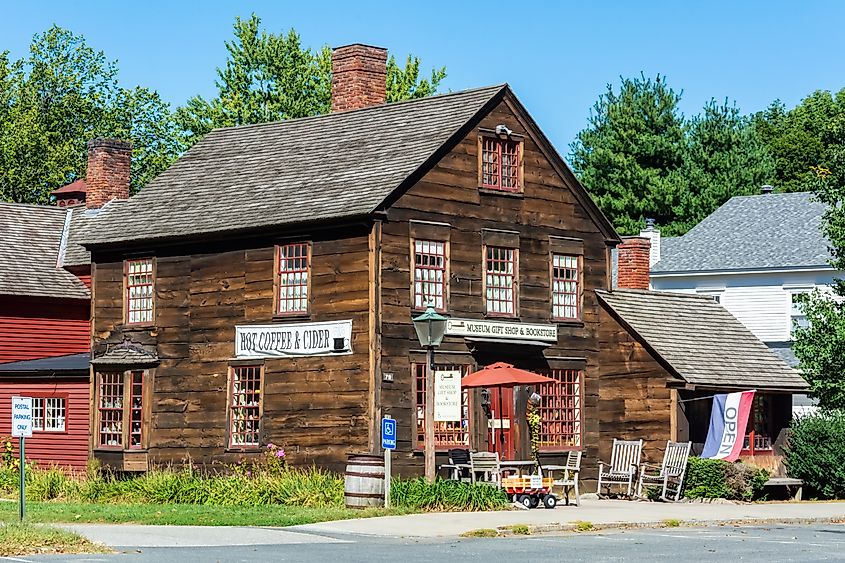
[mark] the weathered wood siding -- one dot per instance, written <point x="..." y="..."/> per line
<point x="316" y="407"/>
<point x="634" y="401"/>
<point x="449" y="193"/>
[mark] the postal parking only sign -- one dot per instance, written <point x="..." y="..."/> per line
<point x="21" y="417"/>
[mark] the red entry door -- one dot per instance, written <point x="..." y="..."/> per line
<point x="501" y="426"/>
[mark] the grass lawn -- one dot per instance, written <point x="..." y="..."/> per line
<point x="26" y="539"/>
<point x="184" y="514"/>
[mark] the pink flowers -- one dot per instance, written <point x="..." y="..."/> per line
<point x="280" y="453"/>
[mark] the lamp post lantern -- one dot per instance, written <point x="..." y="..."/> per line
<point x="430" y="327"/>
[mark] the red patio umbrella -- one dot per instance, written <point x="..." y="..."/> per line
<point x="502" y="375"/>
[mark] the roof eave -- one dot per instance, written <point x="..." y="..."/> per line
<point x="729" y="271"/>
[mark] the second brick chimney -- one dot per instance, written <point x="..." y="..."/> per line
<point x="633" y="263"/>
<point x="359" y="77"/>
<point x="109" y="166"/>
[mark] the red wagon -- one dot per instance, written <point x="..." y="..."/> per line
<point x="530" y="491"/>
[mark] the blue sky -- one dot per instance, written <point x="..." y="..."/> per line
<point x="558" y="56"/>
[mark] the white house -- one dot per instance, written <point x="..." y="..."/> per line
<point x="754" y="255"/>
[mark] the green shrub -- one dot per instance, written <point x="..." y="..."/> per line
<point x="815" y="452"/>
<point x="716" y="478"/>
<point x="419" y="494"/>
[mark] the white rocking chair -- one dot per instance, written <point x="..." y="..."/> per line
<point x="624" y="462"/>
<point x="670" y="474"/>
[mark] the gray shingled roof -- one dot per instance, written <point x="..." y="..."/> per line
<point x="702" y="342"/>
<point x="750" y="233"/>
<point x="331" y="166"/>
<point x="69" y="363"/>
<point x="75" y="253"/>
<point x="30" y="237"/>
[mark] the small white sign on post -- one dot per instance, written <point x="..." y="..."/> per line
<point x="447" y="396"/>
<point x="21" y="417"/>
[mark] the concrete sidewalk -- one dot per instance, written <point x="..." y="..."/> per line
<point x="597" y="512"/>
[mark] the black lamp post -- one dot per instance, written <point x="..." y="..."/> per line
<point x="431" y="328"/>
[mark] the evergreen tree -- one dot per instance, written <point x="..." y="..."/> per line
<point x="271" y="77"/>
<point x="631" y="154"/>
<point x="725" y="157"/>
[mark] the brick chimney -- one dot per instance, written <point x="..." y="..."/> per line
<point x="633" y="263"/>
<point x="109" y="162"/>
<point x="359" y="77"/>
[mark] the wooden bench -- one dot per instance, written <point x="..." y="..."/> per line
<point x="789" y="483"/>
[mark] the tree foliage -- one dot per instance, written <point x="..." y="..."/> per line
<point x="640" y="158"/>
<point x="59" y="97"/>
<point x="820" y="347"/>
<point x="270" y="77"/>
<point x="803" y="138"/>
<point x="630" y="155"/>
<point x="724" y="158"/>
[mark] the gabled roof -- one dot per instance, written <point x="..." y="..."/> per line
<point x="759" y="232"/>
<point x="30" y="243"/>
<point x="331" y="167"/>
<point x="699" y="341"/>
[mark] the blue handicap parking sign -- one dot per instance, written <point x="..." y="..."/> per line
<point x="388" y="433"/>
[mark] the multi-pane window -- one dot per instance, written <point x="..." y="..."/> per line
<point x="120" y="409"/>
<point x="48" y="414"/>
<point x="447" y="434"/>
<point x="139" y="291"/>
<point x="565" y="287"/>
<point x="293" y="263"/>
<point x="110" y="409"/>
<point x="244" y="406"/>
<point x="560" y="410"/>
<point x="500" y="164"/>
<point x="759" y="431"/>
<point x="136" y="409"/>
<point x="500" y="280"/>
<point x="797" y="316"/>
<point x="429" y="274"/>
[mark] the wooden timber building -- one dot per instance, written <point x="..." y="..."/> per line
<point x="261" y="289"/>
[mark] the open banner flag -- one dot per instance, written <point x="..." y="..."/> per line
<point x="728" y="420"/>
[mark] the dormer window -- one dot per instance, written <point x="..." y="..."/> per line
<point x="500" y="167"/>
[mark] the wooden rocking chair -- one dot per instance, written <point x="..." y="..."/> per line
<point x="624" y="462"/>
<point x="670" y="474"/>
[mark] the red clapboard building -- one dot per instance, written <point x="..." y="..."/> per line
<point x="45" y="309"/>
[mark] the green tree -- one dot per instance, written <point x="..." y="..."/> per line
<point x="269" y="77"/>
<point x="803" y="138"/>
<point x="630" y="155"/>
<point x="820" y="347"/>
<point x="59" y="97"/>
<point x="725" y="157"/>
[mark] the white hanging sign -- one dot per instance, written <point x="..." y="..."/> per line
<point x="293" y="339"/>
<point x="447" y="396"/>
<point x="501" y="330"/>
<point x="21" y="417"/>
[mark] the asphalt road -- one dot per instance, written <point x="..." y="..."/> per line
<point x="819" y="542"/>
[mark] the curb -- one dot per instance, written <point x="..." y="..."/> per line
<point x="578" y="527"/>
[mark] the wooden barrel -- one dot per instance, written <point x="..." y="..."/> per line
<point x="364" y="481"/>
